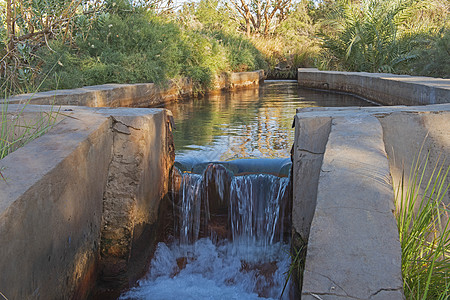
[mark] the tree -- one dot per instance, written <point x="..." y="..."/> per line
<point x="28" y="25"/>
<point x="261" y="15"/>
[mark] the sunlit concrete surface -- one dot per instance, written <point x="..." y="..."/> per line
<point x="136" y="95"/>
<point x="353" y="166"/>
<point x="387" y="89"/>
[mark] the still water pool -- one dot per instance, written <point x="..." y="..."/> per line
<point x="250" y="123"/>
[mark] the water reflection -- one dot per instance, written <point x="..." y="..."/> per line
<point x="245" y="123"/>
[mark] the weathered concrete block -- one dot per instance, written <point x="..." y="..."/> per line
<point x="99" y="174"/>
<point x="311" y="135"/>
<point x="407" y="133"/>
<point x="139" y="170"/>
<point x="388" y="89"/>
<point x="50" y="211"/>
<point x="135" y="95"/>
<point x="353" y="247"/>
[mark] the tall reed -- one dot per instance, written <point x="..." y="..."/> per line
<point x="423" y="224"/>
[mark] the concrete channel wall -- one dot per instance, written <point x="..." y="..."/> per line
<point x="136" y="95"/>
<point x="387" y="89"/>
<point x="77" y="200"/>
<point x="345" y="162"/>
<point x="81" y="202"/>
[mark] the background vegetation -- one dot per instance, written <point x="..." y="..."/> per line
<point x="73" y="43"/>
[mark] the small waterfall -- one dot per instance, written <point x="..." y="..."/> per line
<point x="254" y="206"/>
<point x="257" y="205"/>
<point x="229" y="239"/>
<point x="190" y="207"/>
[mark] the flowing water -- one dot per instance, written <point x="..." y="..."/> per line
<point x="231" y="211"/>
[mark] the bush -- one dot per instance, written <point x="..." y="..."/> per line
<point x="241" y="54"/>
<point x="366" y="36"/>
<point x="385" y="36"/>
<point x="434" y="58"/>
<point x="294" y="44"/>
<point x="214" y="17"/>
<point x="140" y="47"/>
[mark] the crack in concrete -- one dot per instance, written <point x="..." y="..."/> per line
<point x="385" y="290"/>
<point x="308" y="151"/>
<point x="331" y="280"/>
<point x="365" y="209"/>
<point x="316" y="295"/>
<point x="120" y="122"/>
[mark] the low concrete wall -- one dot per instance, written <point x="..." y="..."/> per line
<point x="387" y="89"/>
<point x="58" y="207"/>
<point x="311" y="136"/>
<point x="77" y="201"/>
<point x="135" y="95"/>
<point x="353" y="247"/>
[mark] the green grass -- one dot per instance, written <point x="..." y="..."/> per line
<point x="297" y="266"/>
<point x="17" y="131"/>
<point x="423" y="223"/>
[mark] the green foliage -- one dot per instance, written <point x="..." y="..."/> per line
<point x="424" y="230"/>
<point x="297" y="43"/>
<point x="241" y="54"/>
<point x="214" y="16"/>
<point x="124" y="42"/>
<point x="134" y="47"/>
<point x="434" y="58"/>
<point x="385" y="36"/>
<point x="299" y="26"/>
<point x="298" y="257"/>
<point x="16" y="131"/>
<point x="366" y="36"/>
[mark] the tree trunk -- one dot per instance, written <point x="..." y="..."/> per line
<point x="247" y="22"/>
<point x="258" y="16"/>
<point x="9" y="26"/>
<point x="266" y="26"/>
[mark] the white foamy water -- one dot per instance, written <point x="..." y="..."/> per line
<point x="207" y="271"/>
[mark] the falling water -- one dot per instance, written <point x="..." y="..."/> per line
<point x="256" y="208"/>
<point x="229" y="239"/>
<point x="190" y="208"/>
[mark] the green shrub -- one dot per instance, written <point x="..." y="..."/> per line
<point x="366" y="36"/>
<point x="241" y="54"/>
<point x="140" y="47"/>
<point x="214" y="16"/>
<point x="434" y="57"/>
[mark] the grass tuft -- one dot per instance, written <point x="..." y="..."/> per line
<point x="297" y="266"/>
<point x="423" y="224"/>
<point x="16" y="130"/>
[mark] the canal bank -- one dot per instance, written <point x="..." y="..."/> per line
<point x="111" y="161"/>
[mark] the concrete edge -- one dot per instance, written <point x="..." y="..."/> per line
<point x="134" y="95"/>
<point x="388" y="89"/>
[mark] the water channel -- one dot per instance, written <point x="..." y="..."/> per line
<point x="231" y="195"/>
